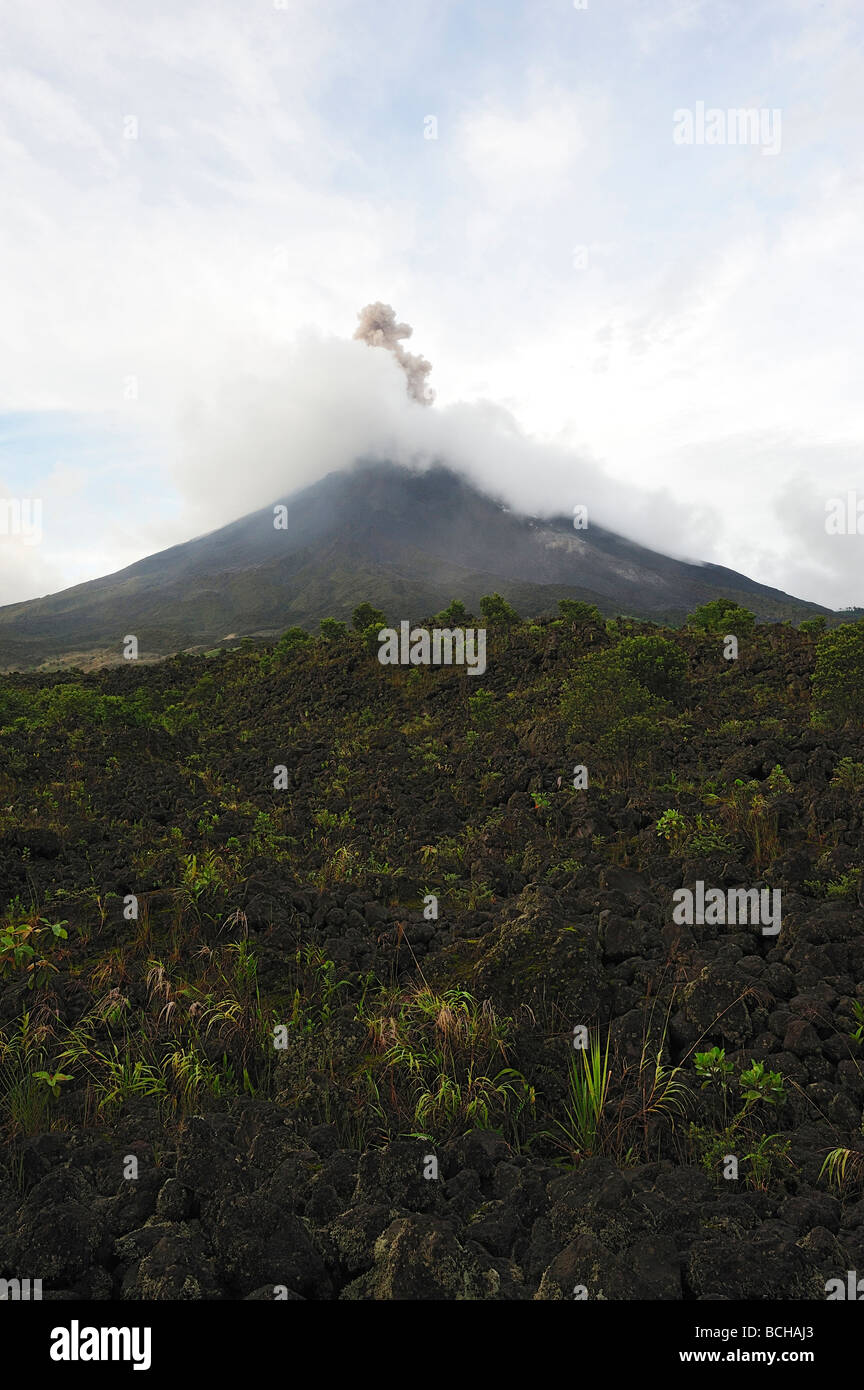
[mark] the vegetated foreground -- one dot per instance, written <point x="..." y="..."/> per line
<point x="241" y="1057"/>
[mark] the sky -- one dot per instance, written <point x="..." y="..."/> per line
<point x="658" y="320"/>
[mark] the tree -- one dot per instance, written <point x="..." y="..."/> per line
<point x="601" y="693"/>
<point x="365" y="615"/>
<point x="454" y="615"/>
<point x="813" y="626"/>
<point x="573" y="610"/>
<point x="656" y="663"/>
<point x="495" y="609"/>
<point x="331" y="628"/>
<point x="838" y="678"/>
<point x="722" y="615"/>
<point x="291" y="638"/>
<point x="610" y="714"/>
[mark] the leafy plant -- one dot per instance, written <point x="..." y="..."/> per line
<point x="575" y="611"/>
<point x="497" y="611"/>
<point x="722" y="615"/>
<point x="778" y="781"/>
<point x="757" y="1084"/>
<point x="53" y="1080"/>
<point x="365" y="616"/>
<point x="849" y="775"/>
<point x="482" y="705"/>
<point x="656" y="663"/>
<point x="588" y="1080"/>
<point x="845" y="1168"/>
<point x="838" y="676"/>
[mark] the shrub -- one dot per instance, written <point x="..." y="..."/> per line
<point x="370" y="637"/>
<point x="701" y="836"/>
<point x="722" y="615"/>
<point x="606" y="707"/>
<point x="849" y="775"/>
<point x="482" y="706"/>
<point x="574" y="611"/>
<point x="454" y="615"/>
<point x="838" y="679"/>
<point x="365" y="616"/>
<point x="294" y="637"/>
<point x="630" y="741"/>
<point x="495" y="609"/>
<point x="812" y="626"/>
<point x="778" y="781"/>
<point x="656" y="663"/>
<point x="331" y="629"/>
<point x="602" y="693"/>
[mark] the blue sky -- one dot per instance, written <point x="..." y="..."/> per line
<point x="201" y="197"/>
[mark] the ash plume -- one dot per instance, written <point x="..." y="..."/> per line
<point x="378" y="328"/>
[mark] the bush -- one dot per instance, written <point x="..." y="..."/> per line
<point x="602" y="694"/>
<point x="701" y="836"/>
<point x="331" y="629"/>
<point x="483" y="709"/>
<point x="812" y="626"/>
<point x="574" y="611"/>
<point x="365" y="616"/>
<point x="779" y="783"/>
<point x="370" y="637"/>
<point x="838" y="679"/>
<point x="293" y="637"/>
<point x="722" y="615"/>
<point x="849" y="775"/>
<point x="454" y="615"/>
<point x="495" y="609"/>
<point x="656" y="663"/>
<point x="630" y="741"/>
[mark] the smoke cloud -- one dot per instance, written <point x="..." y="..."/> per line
<point x="378" y="328"/>
<point x="323" y="404"/>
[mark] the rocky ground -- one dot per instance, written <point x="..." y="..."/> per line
<point x="239" y="1052"/>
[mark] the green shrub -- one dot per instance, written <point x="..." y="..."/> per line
<point x="370" y="637"/>
<point x="495" y="609"/>
<point x="722" y="615"/>
<point x="601" y="693"/>
<point x="838" y="679"/>
<point x="331" y="629"/>
<point x="293" y="637"/>
<point x="574" y="611"/>
<point x="778" y="781"/>
<point x="656" y="663"/>
<point x="848" y="775"/>
<point x="628" y="741"/>
<point x="701" y="836"/>
<point x="454" y="615"/>
<point x="482" y="707"/>
<point x="365" y="616"/>
<point x="812" y="626"/>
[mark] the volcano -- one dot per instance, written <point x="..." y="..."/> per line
<point x="406" y="541"/>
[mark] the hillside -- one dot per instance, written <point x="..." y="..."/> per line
<point x="235" y="974"/>
<point x="397" y="538"/>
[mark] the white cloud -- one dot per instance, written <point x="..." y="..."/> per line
<point x="707" y="355"/>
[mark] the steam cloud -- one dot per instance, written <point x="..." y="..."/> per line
<point x="378" y="328"/>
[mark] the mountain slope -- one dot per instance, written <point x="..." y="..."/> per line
<point x="408" y="542"/>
